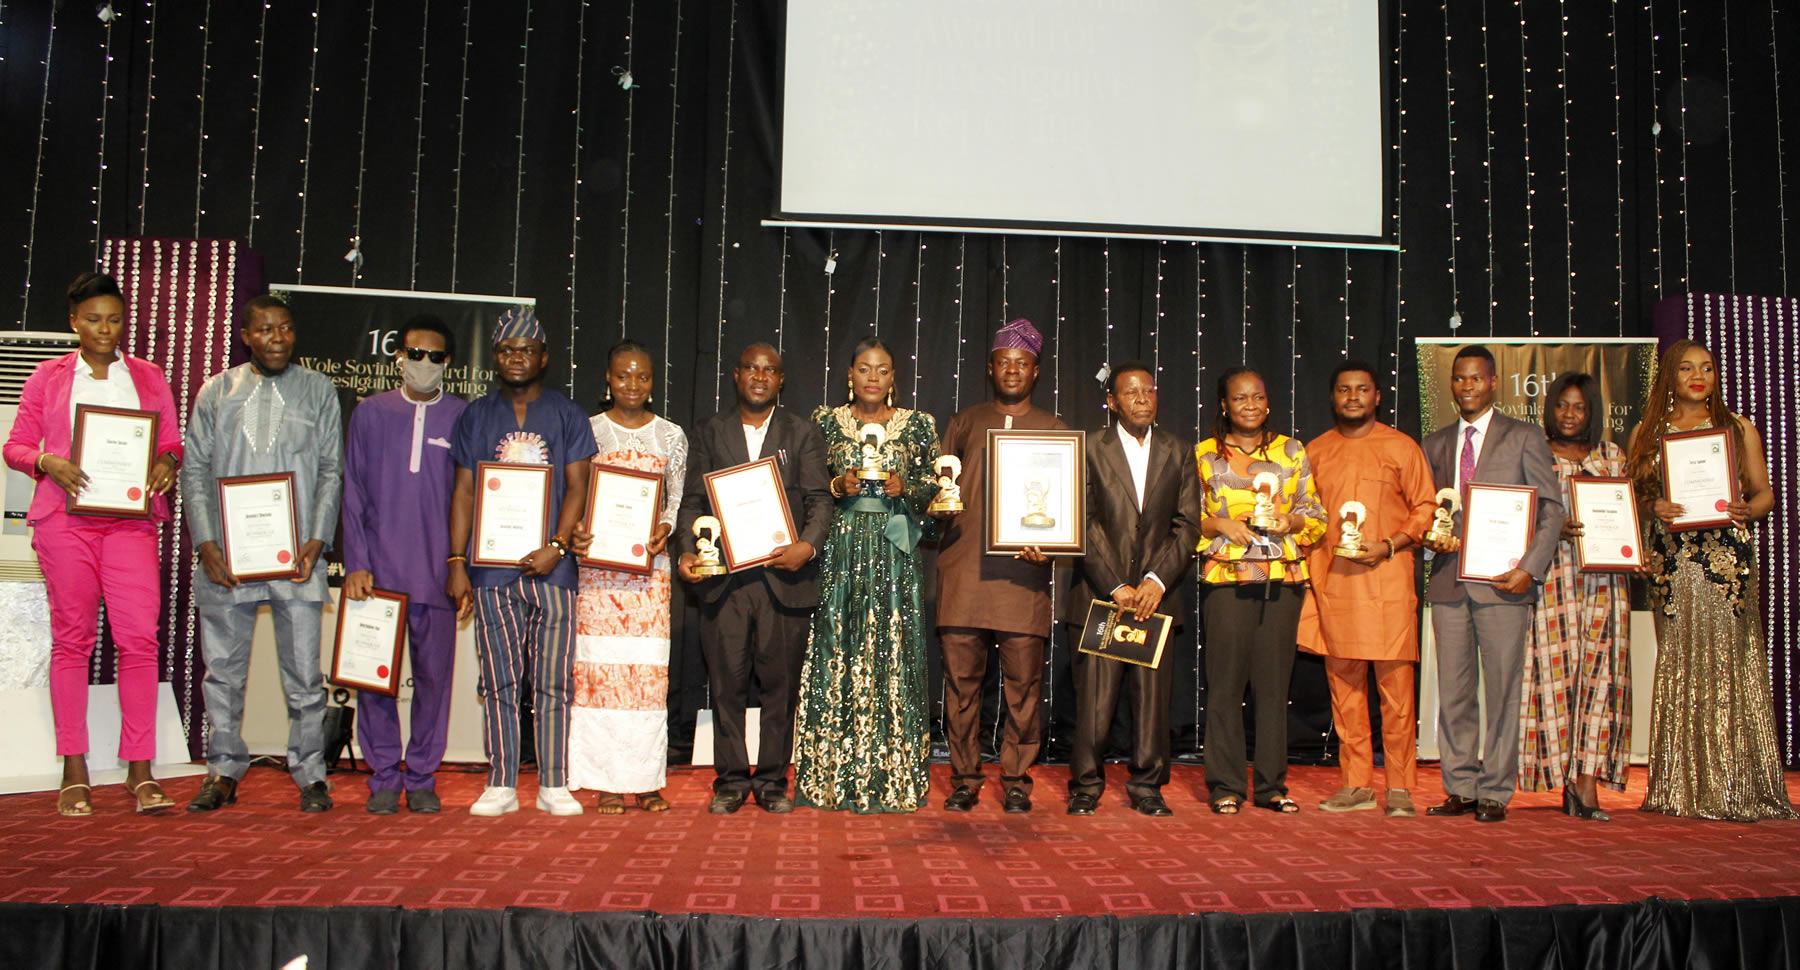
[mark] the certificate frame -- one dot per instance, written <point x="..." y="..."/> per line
<point x="387" y="676"/>
<point x="1631" y="556"/>
<point x="231" y="485"/>
<point x="1471" y="493"/>
<point x="644" y="564"/>
<point x="1013" y="456"/>
<point x="150" y="422"/>
<point x="746" y="476"/>
<point x="488" y="474"/>
<point x="1686" y="439"/>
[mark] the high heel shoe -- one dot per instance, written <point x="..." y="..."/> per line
<point x="1573" y="806"/>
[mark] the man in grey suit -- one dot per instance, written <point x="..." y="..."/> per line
<point x="1143" y="521"/>
<point x="757" y="619"/>
<point x="1480" y="628"/>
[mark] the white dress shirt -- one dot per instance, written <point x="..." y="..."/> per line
<point x="1137" y="458"/>
<point x="754" y="435"/>
<point x="1480" y="424"/>
<point x="113" y="391"/>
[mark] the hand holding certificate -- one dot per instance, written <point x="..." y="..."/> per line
<point x="1700" y="474"/>
<point x="1497" y="526"/>
<point x="259" y="528"/>
<point x="624" y="507"/>
<point x="1606" y="510"/>
<point x="751" y="505"/>
<point x="370" y="633"/>
<point x="512" y="512"/>
<point x="114" y="448"/>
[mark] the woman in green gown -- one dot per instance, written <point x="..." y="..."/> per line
<point x="862" y="731"/>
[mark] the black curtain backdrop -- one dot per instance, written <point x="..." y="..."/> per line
<point x="1556" y="169"/>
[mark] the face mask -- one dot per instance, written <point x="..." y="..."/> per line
<point x="422" y="376"/>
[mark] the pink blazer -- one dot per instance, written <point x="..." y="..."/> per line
<point x="43" y="420"/>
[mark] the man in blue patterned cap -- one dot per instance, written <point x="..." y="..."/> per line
<point x="524" y="614"/>
<point x="985" y="599"/>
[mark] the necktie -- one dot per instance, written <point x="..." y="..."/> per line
<point x="1466" y="466"/>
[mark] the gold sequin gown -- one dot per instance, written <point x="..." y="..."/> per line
<point x="1714" y="749"/>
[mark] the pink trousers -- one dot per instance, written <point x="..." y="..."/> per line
<point x="84" y="559"/>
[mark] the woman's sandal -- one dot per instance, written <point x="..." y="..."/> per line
<point x="609" y="803"/>
<point x="1282" y="804"/>
<point x="79" y="808"/>
<point x="157" y="799"/>
<point x="1226" y="806"/>
<point x="652" y="801"/>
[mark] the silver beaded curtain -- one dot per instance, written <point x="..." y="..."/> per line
<point x="1556" y="168"/>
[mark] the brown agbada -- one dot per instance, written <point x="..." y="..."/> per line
<point x="1367" y="613"/>
<point x="975" y="589"/>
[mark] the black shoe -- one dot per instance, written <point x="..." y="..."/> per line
<point x="216" y="792"/>
<point x="774" y="802"/>
<point x="1573" y="806"/>
<point x="1489" y="810"/>
<point x="383" y="801"/>
<point x="315" y="797"/>
<point x="726" y="802"/>
<point x="962" y="799"/>
<point x="1453" y="805"/>
<point x="423" y="801"/>
<point x="1082" y="803"/>
<point x="1017" y="802"/>
<point x="1152" y="805"/>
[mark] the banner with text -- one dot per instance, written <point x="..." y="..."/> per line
<point x="1526" y="368"/>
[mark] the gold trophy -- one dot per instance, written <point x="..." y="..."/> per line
<point x="706" y="546"/>
<point x="949" y="496"/>
<point x="1448" y="504"/>
<point x="872" y="436"/>
<point x="1037" y="507"/>
<point x="1263" y="517"/>
<point x="1350" y="522"/>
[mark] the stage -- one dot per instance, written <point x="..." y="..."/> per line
<point x="1314" y="882"/>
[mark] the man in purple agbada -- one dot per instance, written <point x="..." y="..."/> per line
<point x="398" y="476"/>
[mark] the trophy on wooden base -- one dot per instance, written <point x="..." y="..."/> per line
<point x="1263" y="517"/>
<point x="872" y="435"/>
<point x="706" y="546"/>
<point x="1351" y="517"/>
<point x="1448" y="504"/>
<point x="949" y="496"/>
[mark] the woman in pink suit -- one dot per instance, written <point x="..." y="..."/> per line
<point x="87" y="557"/>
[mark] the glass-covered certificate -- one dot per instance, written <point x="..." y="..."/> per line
<point x="1036" y="492"/>
<point x="624" y="507"/>
<point x="1497" y="524"/>
<point x="258" y="528"/>
<point x="1607" y="511"/>
<point x="752" y="508"/>
<point x="115" y="448"/>
<point x="370" y="633"/>
<point x="1700" y="474"/>
<point x="512" y="512"/>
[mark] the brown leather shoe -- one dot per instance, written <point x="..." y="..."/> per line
<point x="1489" y="810"/>
<point x="1453" y="805"/>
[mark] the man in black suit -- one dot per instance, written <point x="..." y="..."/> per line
<point x="1479" y="628"/>
<point x="757" y="619"/>
<point x="1143" y="521"/>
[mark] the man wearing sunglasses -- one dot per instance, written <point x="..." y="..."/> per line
<point x="398" y="474"/>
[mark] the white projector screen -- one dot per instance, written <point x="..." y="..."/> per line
<point x="1261" y="117"/>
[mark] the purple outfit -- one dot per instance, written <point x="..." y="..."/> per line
<point x="398" y="476"/>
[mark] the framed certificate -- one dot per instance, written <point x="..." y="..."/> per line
<point x="258" y="527"/>
<point x="512" y="512"/>
<point x="1700" y="473"/>
<point x="1497" y="524"/>
<point x="752" y="510"/>
<point x="624" y="507"/>
<point x="1117" y="634"/>
<point x="1607" y="510"/>
<point x="370" y="634"/>
<point x="1036" y="492"/>
<point x="115" y="447"/>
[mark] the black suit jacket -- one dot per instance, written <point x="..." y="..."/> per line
<point x="799" y="452"/>
<point x="1124" y="543"/>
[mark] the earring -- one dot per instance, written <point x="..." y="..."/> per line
<point x="849" y="391"/>
<point x="890" y="397"/>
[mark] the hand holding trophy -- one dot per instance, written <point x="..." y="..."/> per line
<point x="1442" y="531"/>
<point x="1263" y="517"/>
<point x="706" y="546"/>
<point x="1351" y="516"/>
<point x="873" y="436"/>
<point x="949" y="497"/>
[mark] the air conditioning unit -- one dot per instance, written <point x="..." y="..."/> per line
<point x="20" y="353"/>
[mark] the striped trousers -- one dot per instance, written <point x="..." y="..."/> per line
<point x="527" y="621"/>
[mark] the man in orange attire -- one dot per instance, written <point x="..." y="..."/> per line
<point x="1364" y="609"/>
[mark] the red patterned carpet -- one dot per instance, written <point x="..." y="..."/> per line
<point x="264" y="853"/>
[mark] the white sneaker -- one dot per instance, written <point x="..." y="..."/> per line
<point x="556" y="801"/>
<point x="495" y="801"/>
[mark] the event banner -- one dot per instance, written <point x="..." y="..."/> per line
<point x="1528" y="366"/>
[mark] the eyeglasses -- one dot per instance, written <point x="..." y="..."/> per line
<point x="437" y="356"/>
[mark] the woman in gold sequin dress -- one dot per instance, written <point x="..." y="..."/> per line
<point x="1713" y="746"/>
<point x="861" y="729"/>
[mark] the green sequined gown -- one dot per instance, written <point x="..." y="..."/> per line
<point x="862" y="734"/>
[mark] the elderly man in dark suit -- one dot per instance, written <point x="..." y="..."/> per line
<point x="1480" y="627"/>
<point x="757" y="619"/>
<point x="1143" y="521"/>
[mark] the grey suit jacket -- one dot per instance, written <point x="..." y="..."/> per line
<point x="799" y="450"/>
<point x="1124" y="543"/>
<point x="1514" y="453"/>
